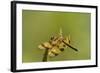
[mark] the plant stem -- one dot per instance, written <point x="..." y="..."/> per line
<point x="45" y="56"/>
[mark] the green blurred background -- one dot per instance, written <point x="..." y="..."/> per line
<point x="39" y="26"/>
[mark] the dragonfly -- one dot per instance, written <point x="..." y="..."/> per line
<point x="55" y="46"/>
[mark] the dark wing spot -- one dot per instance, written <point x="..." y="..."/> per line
<point x="52" y="37"/>
<point x="64" y="45"/>
<point x="61" y="49"/>
<point x="55" y="53"/>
